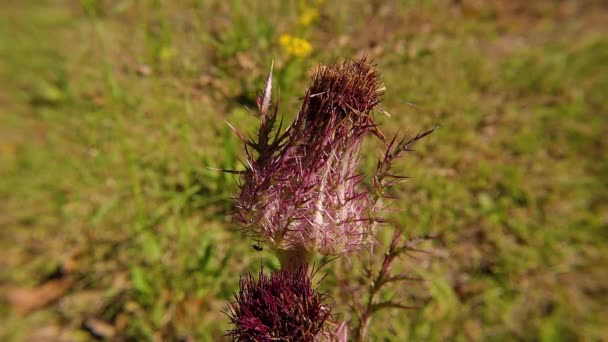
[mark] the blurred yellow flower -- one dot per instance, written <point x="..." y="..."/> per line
<point x="295" y="46"/>
<point x="308" y="16"/>
<point x="166" y="53"/>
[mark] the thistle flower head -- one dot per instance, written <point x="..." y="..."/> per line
<point x="301" y="190"/>
<point x="280" y="307"/>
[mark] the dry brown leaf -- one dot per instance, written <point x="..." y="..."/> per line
<point x="53" y="332"/>
<point x="99" y="328"/>
<point x="26" y="300"/>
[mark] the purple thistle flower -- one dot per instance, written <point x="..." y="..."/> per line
<point x="301" y="191"/>
<point x="280" y="307"/>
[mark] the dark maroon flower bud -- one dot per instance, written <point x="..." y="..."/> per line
<point x="280" y="307"/>
<point x="301" y="191"/>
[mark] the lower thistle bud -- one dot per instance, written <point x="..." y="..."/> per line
<point x="281" y="307"/>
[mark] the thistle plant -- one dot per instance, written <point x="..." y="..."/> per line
<point x="302" y="194"/>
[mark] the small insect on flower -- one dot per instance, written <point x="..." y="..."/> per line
<point x="258" y="246"/>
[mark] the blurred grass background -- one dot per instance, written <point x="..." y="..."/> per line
<point x="112" y="225"/>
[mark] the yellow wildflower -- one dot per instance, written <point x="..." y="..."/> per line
<point x="295" y="46"/>
<point x="308" y="16"/>
<point x="166" y="53"/>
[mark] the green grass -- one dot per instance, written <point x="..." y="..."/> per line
<point x="113" y="111"/>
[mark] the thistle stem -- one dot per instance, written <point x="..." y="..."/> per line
<point x="294" y="258"/>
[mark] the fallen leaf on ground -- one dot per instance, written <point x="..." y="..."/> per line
<point x="99" y="328"/>
<point x="26" y="300"/>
